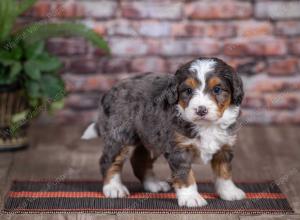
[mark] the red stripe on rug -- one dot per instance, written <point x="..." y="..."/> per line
<point x="13" y="194"/>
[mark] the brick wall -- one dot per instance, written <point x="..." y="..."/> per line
<point x="261" y="38"/>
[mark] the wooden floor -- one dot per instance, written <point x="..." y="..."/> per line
<point x="262" y="153"/>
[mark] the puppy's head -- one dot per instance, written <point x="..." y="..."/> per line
<point x="206" y="88"/>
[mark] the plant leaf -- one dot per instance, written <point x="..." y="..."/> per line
<point x="24" y="5"/>
<point x="42" y="31"/>
<point x="8" y="17"/>
<point x="32" y="70"/>
<point x="56" y="105"/>
<point x="33" y="89"/>
<point x="52" y="87"/>
<point x="15" y="70"/>
<point x="14" y="54"/>
<point x="33" y="50"/>
<point x="19" y="116"/>
<point x="48" y="63"/>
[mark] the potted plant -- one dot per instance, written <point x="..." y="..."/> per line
<point x="29" y="75"/>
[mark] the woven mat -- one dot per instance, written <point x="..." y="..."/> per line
<point x="86" y="196"/>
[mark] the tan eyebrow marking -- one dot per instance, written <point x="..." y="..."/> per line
<point x="192" y="82"/>
<point x="213" y="82"/>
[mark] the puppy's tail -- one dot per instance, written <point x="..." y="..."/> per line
<point x="91" y="132"/>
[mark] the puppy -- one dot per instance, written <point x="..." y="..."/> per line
<point x="181" y="116"/>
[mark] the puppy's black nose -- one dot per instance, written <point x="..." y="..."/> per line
<point x="201" y="110"/>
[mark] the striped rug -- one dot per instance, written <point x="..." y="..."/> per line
<point x="86" y="196"/>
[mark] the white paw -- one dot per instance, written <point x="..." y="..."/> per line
<point x="194" y="200"/>
<point x="227" y="190"/>
<point x="154" y="185"/>
<point x="189" y="196"/>
<point x="115" y="190"/>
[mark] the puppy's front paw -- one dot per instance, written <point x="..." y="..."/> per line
<point x="227" y="190"/>
<point x="115" y="190"/>
<point x="189" y="196"/>
<point x="193" y="200"/>
<point x="154" y="185"/>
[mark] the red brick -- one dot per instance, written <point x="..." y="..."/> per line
<point x="83" y="65"/>
<point x="151" y="9"/>
<point x="255" y="116"/>
<point x="262" y="84"/>
<point x="286" y="117"/>
<point x="255" y="47"/>
<point x="175" y="62"/>
<point x="294" y="46"/>
<point x="101" y="8"/>
<point x="116" y="65"/>
<point x="67" y="10"/>
<point x="100" y="28"/>
<point x="218" y="10"/>
<point x="187" y="29"/>
<point x="219" y="30"/>
<point x="236" y="62"/>
<point x="154" y="46"/>
<point x="65" y="46"/>
<point x="277" y="9"/>
<point x="283" y="66"/>
<point x="197" y="47"/>
<point x="252" y="101"/>
<point x="254" y="29"/>
<point x="248" y="66"/>
<point x="288" y="28"/>
<point x="41" y="9"/>
<point x="85" y="83"/>
<point x="267" y="47"/>
<point x="122" y="28"/>
<point x="235" y="48"/>
<point x="199" y="29"/>
<point x="265" y="116"/>
<point x="126" y="46"/>
<point x="133" y="46"/>
<point x="68" y="116"/>
<point x="82" y="101"/>
<point x="154" y="29"/>
<point x="149" y="64"/>
<point x="281" y="101"/>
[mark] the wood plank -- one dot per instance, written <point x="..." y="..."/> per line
<point x="286" y="162"/>
<point x="6" y="160"/>
<point x="271" y="217"/>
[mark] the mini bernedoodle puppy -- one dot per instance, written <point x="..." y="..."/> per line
<point x="181" y="116"/>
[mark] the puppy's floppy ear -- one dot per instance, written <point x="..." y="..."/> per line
<point x="171" y="92"/>
<point x="238" y="90"/>
<point x="166" y="91"/>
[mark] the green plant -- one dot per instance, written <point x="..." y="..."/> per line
<point x="24" y="60"/>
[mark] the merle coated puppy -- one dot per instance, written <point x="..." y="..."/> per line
<point x="182" y="116"/>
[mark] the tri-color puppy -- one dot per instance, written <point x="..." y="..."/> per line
<point x="181" y="116"/>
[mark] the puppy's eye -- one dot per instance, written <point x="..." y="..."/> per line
<point x="188" y="91"/>
<point x="217" y="90"/>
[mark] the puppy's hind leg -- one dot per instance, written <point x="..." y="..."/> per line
<point x="111" y="164"/>
<point x="142" y="165"/>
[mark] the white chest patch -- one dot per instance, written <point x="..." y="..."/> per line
<point x="211" y="140"/>
<point x="212" y="137"/>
